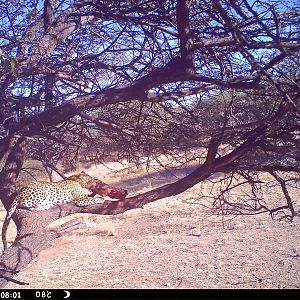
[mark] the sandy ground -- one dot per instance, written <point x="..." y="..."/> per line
<point x="171" y="243"/>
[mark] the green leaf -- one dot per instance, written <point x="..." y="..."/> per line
<point x="9" y="63"/>
<point x="13" y="64"/>
<point x="31" y="14"/>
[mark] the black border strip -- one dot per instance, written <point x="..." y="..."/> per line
<point x="184" y="294"/>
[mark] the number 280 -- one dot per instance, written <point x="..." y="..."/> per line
<point x="43" y="294"/>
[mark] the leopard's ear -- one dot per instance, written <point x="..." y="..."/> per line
<point x="73" y="177"/>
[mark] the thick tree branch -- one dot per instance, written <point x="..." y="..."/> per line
<point x="185" y="36"/>
<point x="49" y="9"/>
<point x="10" y="172"/>
<point x="285" y="191"/>
<point x="106" y="124"/>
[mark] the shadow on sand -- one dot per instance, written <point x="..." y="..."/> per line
<point x="154" y="179"/>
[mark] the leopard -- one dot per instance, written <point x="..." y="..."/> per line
<point x="41" y="195"/>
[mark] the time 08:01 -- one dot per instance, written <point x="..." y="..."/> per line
<point x="8" y="295"/>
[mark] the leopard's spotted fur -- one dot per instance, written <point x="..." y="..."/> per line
<point x="44" y="195"/>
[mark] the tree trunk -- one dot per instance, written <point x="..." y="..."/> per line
<point x="11" y="171"/>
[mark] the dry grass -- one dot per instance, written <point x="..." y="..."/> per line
<point x="171" y="243"/>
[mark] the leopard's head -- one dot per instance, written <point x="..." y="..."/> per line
<point x="85" y="180"/>
<point x="97" y="186"/>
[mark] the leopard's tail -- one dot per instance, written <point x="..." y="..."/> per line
<point x="7" y="219"/>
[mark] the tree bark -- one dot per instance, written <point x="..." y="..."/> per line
<point x="11" y="170"/>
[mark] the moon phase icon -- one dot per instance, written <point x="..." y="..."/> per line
<point x="67" y="294"/>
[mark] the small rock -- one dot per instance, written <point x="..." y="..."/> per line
<point x="231" y="226"/>
<point x="281" y="263"/>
